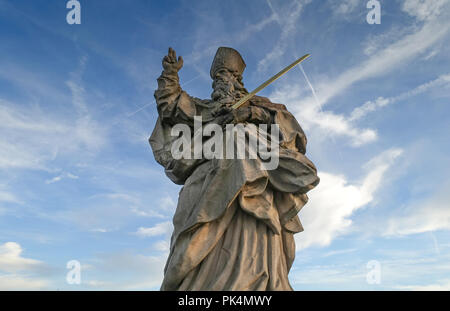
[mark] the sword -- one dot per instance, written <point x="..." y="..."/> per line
<point x="244" y="99"/>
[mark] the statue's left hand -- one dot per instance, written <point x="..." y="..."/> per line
<point x="170" y="62"/>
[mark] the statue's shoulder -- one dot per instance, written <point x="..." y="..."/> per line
<point x="194" y="99"/>
<point x="266" y="103"/>
<point x="200" y="102"/>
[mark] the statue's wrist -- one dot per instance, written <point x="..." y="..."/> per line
<point x="170" y="72"/>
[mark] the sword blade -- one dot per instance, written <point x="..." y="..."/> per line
<point x="244" y="99"/>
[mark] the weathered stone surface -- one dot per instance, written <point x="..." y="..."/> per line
<point x="235" y="221"/>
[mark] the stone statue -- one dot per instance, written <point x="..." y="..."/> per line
<point x="235" y="221"/>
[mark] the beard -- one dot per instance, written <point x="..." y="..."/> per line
<point x="227" y="92"/>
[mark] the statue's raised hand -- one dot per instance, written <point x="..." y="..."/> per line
<point x="170" y="62"/>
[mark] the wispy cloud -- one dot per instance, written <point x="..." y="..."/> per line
<point x="158" y="229"/>
<point x="60" y="177"/>
<point x="15" y="269"/>
<point x="162" y="246"/>
<point x="370" y="106"/>
<point x="12" y="282"/>
<point x="32" y="138"/>
<point x="76" y="87"/>
<point x="312" y="116"/>
<point x="11" y="259"/>
<point x="287" y="19"/>
<point x="309" y="110"/>
<point x="428" y="215"/>
<point x="206" y="48"/>
<point x="441" y="286"/>
<point x="127" y="271"/>
<point x="424" y="10"/>
<point x="389" y="57"/>
<point x="346" y="8"/>
<point x="386" y="59"/>
<point x="326" y="276"/>
<point x="398" y="270"/>
<point x="6" y="196"/>
<point x="107" y="212"/>
<point x="340" y="252"/>
<point x="328" y="213"/>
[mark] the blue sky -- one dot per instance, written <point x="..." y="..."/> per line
<point x="78" y="180"/>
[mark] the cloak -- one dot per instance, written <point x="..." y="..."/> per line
<point x="221" y="197"/>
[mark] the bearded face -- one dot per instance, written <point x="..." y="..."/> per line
<point x="227" y="88"/>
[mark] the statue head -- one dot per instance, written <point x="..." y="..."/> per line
<point x="226" y="72"/>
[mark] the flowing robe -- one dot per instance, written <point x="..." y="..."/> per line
<point x="235" y="221"/>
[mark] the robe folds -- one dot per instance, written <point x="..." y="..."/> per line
<point x="235" y="221"/>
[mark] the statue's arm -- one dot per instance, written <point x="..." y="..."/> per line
<point x="174" y="105"/>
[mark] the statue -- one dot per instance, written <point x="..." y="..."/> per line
<point x="235" y="220"/>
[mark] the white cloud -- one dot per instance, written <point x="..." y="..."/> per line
<point x="166" y="206"/>
<point x="383" y="60"/>
<point x="106" y="212"/>
<point x="76" y="87"/>
<point x="15" y="282"/>
<point x="378" y="41"/>
<point x="167" y="203"/>
<point x="30" y="82"/>
<point x="53" y="180"/>
<point x="441" y="286"/>
<point x="312" y="116"/>
<point x="424" y="216"/>
<point x="148" y="210"/>
<point x="309" y="110"/>
<point x="386" y="60"/>
<point x="424" y="9"/>
<point x="14" y="269"/>
<point x="96" y="283"/>
<point x="336" y="124"/>
<point x="432" y="54"/>
<point x="100" y="230"/>
<point x="399" y="268"/>
<point x="205" y="47"/>
<point x="162" y="246"/>
<point x="60" y="177"/>
<point x="158" y="229"/>
<point x="12" y="261"/>
<point x="128" y="271"/>
<point x="31" y="138"/>
<point x="402" y="270"/>
<point x="340" y="252"/>
<point x="255" y="28"/>
<point x="346" y="7"/>
<point x="328" y="213"/>
<point x="370" y="106"/>
<point x="8" y="197"/>
<point x="328" y="275"/>
<point x="287" y="18"/>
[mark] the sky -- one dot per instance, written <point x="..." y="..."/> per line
<point x="78" y="180"/>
